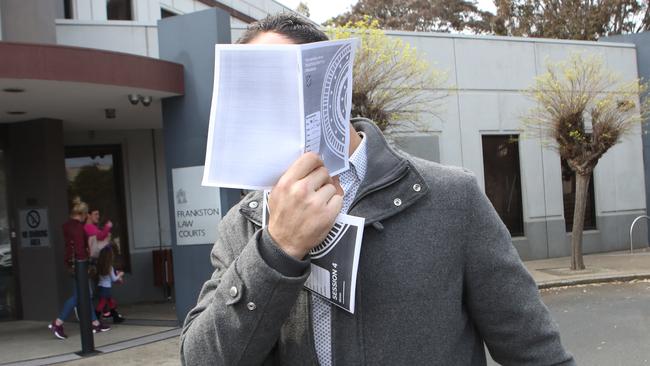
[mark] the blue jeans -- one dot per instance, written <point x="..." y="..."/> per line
<point x="71" y="303"/>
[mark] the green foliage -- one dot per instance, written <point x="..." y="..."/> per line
<point x="570" y="19"/>
<point x="303" y="9"/>
<point x="419" y="15"/>
<point x="563" y="19"/>
<point x="392" y="84"/>
<point x="583" y="110"/>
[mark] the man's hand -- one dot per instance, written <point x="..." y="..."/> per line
<point x="303" y="206"/>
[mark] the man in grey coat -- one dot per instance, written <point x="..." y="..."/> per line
<point x="438" y="275"/>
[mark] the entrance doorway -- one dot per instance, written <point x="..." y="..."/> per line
<point x="95" y="175"/>
<point x="8" y="287"/>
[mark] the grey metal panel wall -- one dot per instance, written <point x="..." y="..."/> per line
<point x="189" y="40"/>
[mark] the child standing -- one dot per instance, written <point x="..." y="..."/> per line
<point x="106" y="276"/>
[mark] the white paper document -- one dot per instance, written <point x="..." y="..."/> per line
<point x="335" y="261"/>
<point x="271" y="104"/>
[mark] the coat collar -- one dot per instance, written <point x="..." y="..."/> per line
<point x="391" y="180"/>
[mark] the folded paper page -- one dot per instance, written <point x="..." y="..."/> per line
<point x="271" y="104"/>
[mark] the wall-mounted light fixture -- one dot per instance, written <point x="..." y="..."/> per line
<point x="146" y="100"/>
<point x="135" y="98"/>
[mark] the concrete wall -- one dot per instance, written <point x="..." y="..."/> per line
<point x="642" y="43"/>
<point x="39" y="29"/>
<point x="490" y="74"/>
<point x="90" y="28"/>
<point x="147" y="210"/>
<point x="36" y="177"/>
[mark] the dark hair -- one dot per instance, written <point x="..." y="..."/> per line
<point x="292" y="26"/>
<point x="105" y="261"/>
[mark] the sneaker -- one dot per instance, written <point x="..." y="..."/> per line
<point x="57" y="330"/>
<point x="100" y="328"/>
<point x="117" y="317"/>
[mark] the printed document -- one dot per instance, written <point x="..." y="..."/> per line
<point x="335" y="261"/>
<point x="271" y="104"/>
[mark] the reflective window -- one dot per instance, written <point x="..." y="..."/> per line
<point x="67" y="9"/>
<point x="95" y="175"/>
<point x="118" y="10"/>
<point x="503" y="179"/>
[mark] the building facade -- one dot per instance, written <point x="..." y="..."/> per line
<point x="86" y="95"/>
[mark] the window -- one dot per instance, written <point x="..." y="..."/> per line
<point x="118" y="10"/>
<point x="569" y="199"/>
<point x="164" y="13"/>
<point x="95" y="175"/>
<point x="67" y="9"/>
<point x="503" y="179"/>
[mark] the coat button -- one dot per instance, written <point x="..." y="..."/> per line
<point x="253" y="204"/>
<point x="397" y="202"/>
<point x="233" y="291"/>
<point x="251" y="306"/>
<point x="417" y="187"/>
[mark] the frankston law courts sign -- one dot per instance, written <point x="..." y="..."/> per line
<point x="197" y="208"/>
<point x="34" y="227"/>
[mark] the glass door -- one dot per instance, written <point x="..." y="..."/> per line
<point x="95" y="175"/>
<point x="7" y="279"/>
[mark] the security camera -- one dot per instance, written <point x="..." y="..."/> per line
<point x="145" y="100"/>
<point x="134" y="99"/>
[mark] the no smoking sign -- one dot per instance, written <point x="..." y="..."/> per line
<point x="34" y="228"/>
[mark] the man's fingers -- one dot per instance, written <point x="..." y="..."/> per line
<point x="325" y="193"/>
<point x="302" y="167"/>
<point x="318" y="178"/>
<point x="335" y="204"/>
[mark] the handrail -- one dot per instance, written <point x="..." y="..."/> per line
<point x="632" y="228"/>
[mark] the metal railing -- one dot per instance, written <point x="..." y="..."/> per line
<point x="632" y="228"/>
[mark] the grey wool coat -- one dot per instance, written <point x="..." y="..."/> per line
<point x="438" y="278"/>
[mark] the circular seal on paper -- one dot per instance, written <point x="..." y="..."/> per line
<point x="333" y="237"/>
<point x="334" y="101"/>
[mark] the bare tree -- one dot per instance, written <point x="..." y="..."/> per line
<point x="393" y="85"/>
<point x="572" y="96"/>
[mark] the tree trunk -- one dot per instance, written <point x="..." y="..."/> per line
<point x="582" y="184"/>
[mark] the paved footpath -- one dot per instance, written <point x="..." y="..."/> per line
<point x="162" y="353"/>
<point x="605" y="267"/>
<point x="548" y="273"/>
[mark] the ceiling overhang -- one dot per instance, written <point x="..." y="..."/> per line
<point x="87" y="65"/>
<point x="86" y="88"/>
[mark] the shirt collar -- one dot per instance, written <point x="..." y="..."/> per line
<point x="359" y="158"/>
